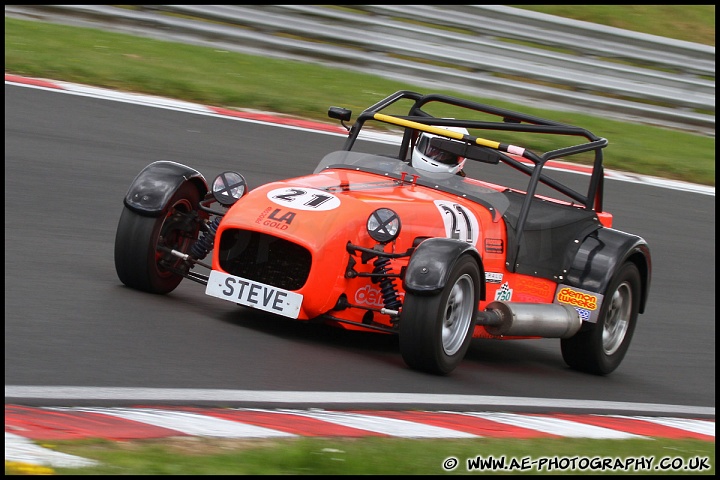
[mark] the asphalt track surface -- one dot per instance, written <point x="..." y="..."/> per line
<point x="75" y="336"/>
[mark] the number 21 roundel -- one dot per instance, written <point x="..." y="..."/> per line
<point x="460" y="223"/>
<point x="304" y="198"/>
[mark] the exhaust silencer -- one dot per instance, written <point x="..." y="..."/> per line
<point x="530" y="319"/>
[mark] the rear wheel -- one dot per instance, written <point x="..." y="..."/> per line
<point x="435" y="331"/>
<point x="139" y="262"/>
<point x="599" y="348"/>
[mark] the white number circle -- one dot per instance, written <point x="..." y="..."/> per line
<point x="300" y="198"/>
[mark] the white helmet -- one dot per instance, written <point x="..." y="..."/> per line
<point x="430" y="159"/>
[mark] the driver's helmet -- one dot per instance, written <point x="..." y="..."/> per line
<point x="431" y="159"/>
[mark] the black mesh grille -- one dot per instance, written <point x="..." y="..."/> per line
<point x="264" y="258"/>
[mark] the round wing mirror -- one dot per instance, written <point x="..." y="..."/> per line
<point x="229" y="187"/>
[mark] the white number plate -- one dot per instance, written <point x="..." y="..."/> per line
<point x="254" y="294"/>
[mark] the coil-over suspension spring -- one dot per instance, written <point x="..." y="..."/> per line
<point x="205" y="243"/>
<point x="387" y="285"/>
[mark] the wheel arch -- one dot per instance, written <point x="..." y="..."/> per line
<point x="602" y="253"/>
<point x="430" y="265"/>
<point x="153" y="187"/>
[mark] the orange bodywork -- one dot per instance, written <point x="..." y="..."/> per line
<point x="326" y="211"/>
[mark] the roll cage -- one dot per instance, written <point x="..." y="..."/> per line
<point x="519" y="158"/>
<point x="419" y="120"/>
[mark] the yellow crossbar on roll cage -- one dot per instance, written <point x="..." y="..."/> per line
<point x="449" y="133"/>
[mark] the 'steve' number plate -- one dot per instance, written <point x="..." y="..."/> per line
<point x="254" y="294"/>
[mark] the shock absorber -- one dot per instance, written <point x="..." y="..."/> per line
<point x="387" y="285"/>
<point x="205" y="243"/>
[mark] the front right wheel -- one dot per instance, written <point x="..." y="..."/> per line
<point x="142" y="243"/>
<point x="435" y="330"/>
<point x="600" y="347"/>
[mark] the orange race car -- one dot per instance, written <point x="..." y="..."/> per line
<point x="427" y="234"/>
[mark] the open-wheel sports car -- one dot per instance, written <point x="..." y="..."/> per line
<point x="428" y="235"/>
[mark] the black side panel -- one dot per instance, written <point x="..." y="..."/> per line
<point x="602" y="253"/>
<point x="430" y="265"/>
<point x="156" y="183"/>
<point x="551" y="237"/>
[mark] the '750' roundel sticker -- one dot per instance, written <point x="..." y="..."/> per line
<point x="300" y="198"/>
<point x="460" y="223"/>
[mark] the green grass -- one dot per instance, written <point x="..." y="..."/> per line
<point x="221" y="78"/>
<point x="368" y="456"/>
<point x="691" y="23"/>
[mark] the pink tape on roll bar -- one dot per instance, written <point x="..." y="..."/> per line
<point x="516" y="150"/>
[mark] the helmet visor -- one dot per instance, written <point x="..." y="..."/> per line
<point x="434" y="153"/>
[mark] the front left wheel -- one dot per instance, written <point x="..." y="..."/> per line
<point x="435" y="330"/>
<point x="142" y="260"/>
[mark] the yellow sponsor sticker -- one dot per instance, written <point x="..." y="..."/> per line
<point x="577" y="299"/>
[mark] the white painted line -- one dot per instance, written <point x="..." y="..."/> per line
<point x="324" y="399"/>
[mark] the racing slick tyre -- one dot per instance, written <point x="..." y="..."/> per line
<point x="435" y="331"/>
<point x="138" y="262"/>
<point x="600" y="347"/>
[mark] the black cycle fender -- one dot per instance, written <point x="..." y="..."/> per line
<point x="151" y="190"/>
<point x="431" y="262"/>
<point x="602" y="253"/>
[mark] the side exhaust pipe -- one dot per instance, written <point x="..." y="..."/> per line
<point x="530" y="320"/>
